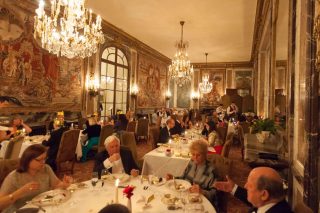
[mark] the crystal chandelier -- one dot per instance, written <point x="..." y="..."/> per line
<point x="70" y="30"/>
<point x="181" y="70"/>
<point x="205" y="86"/>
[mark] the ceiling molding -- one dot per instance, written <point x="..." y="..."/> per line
<point x="246" y="64"/>
<point x="114" y="33"/>
<point x="260" y="19"/>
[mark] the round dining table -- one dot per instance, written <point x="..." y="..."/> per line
<point x="92" y="199"/>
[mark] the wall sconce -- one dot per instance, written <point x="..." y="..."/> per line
<point x="92" y="85"/>
<point x="195" y="96"/>
<point x="168" y="95"/>
<point x="134" y="90"/>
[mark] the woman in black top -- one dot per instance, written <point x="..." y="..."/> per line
<point x="93" y="131"/>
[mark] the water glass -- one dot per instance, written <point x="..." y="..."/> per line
<point x="94" y="179"/>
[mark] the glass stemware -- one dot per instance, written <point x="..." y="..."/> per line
<point x="94" y="179"/>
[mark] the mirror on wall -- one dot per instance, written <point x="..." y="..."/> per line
<point x="281" y="57"/>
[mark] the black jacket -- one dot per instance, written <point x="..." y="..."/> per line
<point x="164" y="135"/>
<point x="281" y="206"/>
<point x="126" y="157"/>
<point x="53" y="143"/>
<point x="177" y="129"/>
<point x="93" y="131"/>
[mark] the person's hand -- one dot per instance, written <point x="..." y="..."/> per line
<point x="134" y="172"/>
<point x="169" y="176"/>
<point x="114" y="157"/>
<point x="225" y="186"/>
<point x="67" y="179"/>
<point x="195" y="188"/>
<point x="28" y="188"/>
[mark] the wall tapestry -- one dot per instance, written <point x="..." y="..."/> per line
<point x="217" y="78"/>
<point x="151" y="82"/>
<point x="31" y="77"/>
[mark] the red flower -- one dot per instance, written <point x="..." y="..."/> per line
<point x="128" y="191"/>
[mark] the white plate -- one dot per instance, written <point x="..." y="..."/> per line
<point x="112" y="177"/>
<point x="51" y="197"/>
<point x="181" y="185"/>
<point x="76" y="186"/>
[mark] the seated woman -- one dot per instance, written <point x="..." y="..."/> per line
<point x="215" y="141"/>
<point x="200" y="172"/>
<point x="209" y="126"/>
<point x="32" y="169"/>
<point x="93" y="131"/>
<point x="121" y="123"/>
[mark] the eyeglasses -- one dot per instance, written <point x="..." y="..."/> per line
<point x="41" y="160"/>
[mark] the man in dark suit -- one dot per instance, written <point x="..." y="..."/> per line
<point x="164" y="135"/>
<point x="53" y="143"/>
<point x="115" y="158"/>
<point x="177" y="129"/>
<point x="263" y="190"/>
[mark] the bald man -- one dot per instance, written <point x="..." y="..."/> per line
<point x="263" y="190"/>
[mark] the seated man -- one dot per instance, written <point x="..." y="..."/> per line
<point x="115" y="158"/>
<point x="53" y="143"/>
<point x="18" y="124"/>
<point x="177" y="129"/>
<point x="264" y="190"/>
<point x="164" y="135"/>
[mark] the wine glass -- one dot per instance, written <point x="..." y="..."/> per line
<point x="94" y="179"/>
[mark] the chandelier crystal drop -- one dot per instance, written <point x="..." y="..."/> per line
<point x="205" y="86"/>
<point x="181" y="69"/>
<point x="70" y="30"/>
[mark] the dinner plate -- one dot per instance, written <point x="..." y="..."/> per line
<point x="157" y="181"/>
<point x="51" y="197"/>
<point x="76" y="186"/>
<point x="112" y="177"/>
<point x="179" y="185"/>
<point x="169" y="199"/>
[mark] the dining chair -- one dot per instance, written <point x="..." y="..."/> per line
<point x="154" y="136"/>
<point x="223" y="167"/>
<point x="222" y="131"/>
<point x="7" y="166"/>
<point x="131" y="127"/>
<point x="302" y="208"/>
<point x="143" y="129"/>
<point x="66" y="156"/>
<point x="128" y="139"/>
<point x="13" y="148"/>
<point x="106" y="131"/>
<point x="227" y="146"/>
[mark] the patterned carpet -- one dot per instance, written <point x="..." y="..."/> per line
<point x="83" y="172"/>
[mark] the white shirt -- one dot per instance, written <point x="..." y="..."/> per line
<point x="261" y="209"/>
<point x="117" y="166"/>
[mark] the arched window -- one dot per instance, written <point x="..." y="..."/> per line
<point x="114" y="81"/>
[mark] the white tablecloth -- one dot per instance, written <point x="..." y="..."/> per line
<point x="87" y="200"/>
<point x="28" y="141"/>
<point x="159" y="164"/>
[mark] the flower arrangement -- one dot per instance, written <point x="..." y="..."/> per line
<point x="264" y="125"/>
<point x="128" y="191"/>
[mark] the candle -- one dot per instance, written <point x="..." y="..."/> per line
<point x="23" y="130"/>
<point x="116" y="192"/>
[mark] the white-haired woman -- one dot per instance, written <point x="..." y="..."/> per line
<point x="200" y="172"/>
<point x="116" y="158"/>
